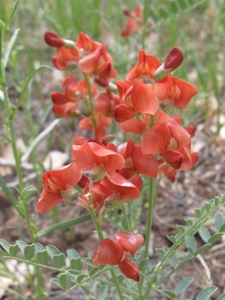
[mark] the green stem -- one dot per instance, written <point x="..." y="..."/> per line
<point x="91" y="102"/>
<point x="96" y="19"/>
<point x="149" y="221"/>
<point x="144" y="24"/>
<point x="149" y="216"/>
<point x="126" y="218"/>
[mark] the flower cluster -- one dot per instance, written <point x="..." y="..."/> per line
<point x="111" y="175"/>
<point x="134" y="21"/>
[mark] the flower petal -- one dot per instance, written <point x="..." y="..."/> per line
<point x="156" y="140"/>
<point x="187" y="91"/>
<point x="124" y="113"/>
<point x="130" y="241"/>
<point x="144" y="99"/>
<point x="109" y="252"/>
<point x="129" y="269"/>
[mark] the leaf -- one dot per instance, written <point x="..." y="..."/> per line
<point x="72" y="253"/>
<point x="38" y="247"/>
<point x="201" y="249"/>
<point x="208" y="207"/>
<point x="170" y="294"/>
<point x="80" y="278"/>
<point x="42" y="257"/>
<point x="28" y="251"/>
<point x="10" y="196"/>
<point x="120" y="278"/>
<point x="36" y="141"/>
<point x="181" y="228"/>
<point x="93" y="271"/>
<point x="52" y="250"/>
<point x="215" y="237"/>
<point x="5" y="245"/>
<point x="64" y="224"/>
<point x="10" y="46"/>
<point x="206" y="293"/>
<point x="76" y="264"/>
<point x="10" y="17"/>
<point x="222" y="297"/>
<point x="172" y="238"/>
<point x="204" y="234"/>
<point x="28" y="191"/>
<point x="21" y="245"/>
<point x="218" y="219"/>
<point x="222" y="228"/>
<point x="191" y="245"/>
<point x="13" y="249"/>
<point x="198" y="213"/>
<point x="142" y="264"/>
<point x="65" y="281"/>
<point x="59" y="260"/>
<point x="56" y="282"/>
<point x="173" y="261"/>
<point x="183" y="284"/>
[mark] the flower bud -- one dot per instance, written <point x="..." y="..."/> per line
<point x="53" y="40"/>
<point x="173" y="60"/>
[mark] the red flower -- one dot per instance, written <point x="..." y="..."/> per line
<point x="137" y="161"/>
<point x="165" y="138"/>
<point x="136" y="97"/>
<point x="115" y="188"/>
<point x="57" y="181"/>
<point x="145" y="67"/>
<point x="106" y="103"/>
<point x="92" y="154"/>
<point x="73" y="90"/>
<point x="174" y="91"/>
<point x="86" y="43"/>
<point x="98" y="62"/>
<point x="101" y="121"/>
<point x="66" y="58"/>
<point x="134" y="126"/>
<point x="67" y="110"/>
<point x="117" y="251"/>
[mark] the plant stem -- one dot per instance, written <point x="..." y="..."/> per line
<point x="91" y="102"/>
<point x="149" y="216"/>
<point x="144" y="24"/>
<point x="126" y="218"/>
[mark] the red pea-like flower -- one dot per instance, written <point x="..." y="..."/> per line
<point x="92" y="154"/>
<point x="117" y="251"/>
<point x="57" y="181"/>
